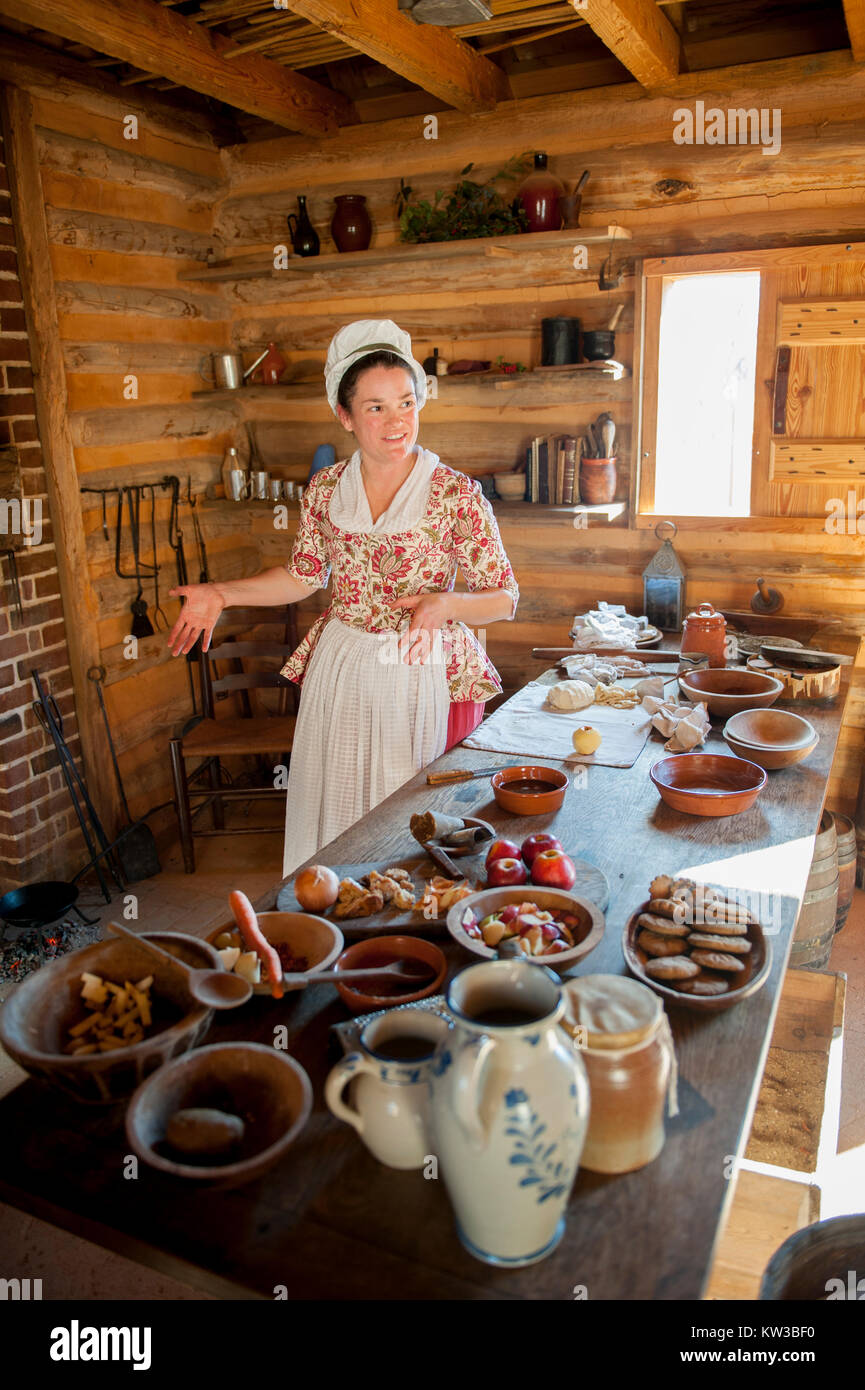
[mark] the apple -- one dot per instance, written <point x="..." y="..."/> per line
<point x="508" y="913"/>
<point x="536" y="844"/>
<point x="502" y="849"/>
<point x="553" y="869"/>
<point x="504" y="872"/>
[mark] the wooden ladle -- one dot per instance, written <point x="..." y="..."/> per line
<point x="401" y="968"/>
<point x="215" y="989"/>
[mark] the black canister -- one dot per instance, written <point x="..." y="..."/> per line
<point x="560" y="341"/>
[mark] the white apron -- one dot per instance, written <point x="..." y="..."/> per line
<point x="368" y="721"/>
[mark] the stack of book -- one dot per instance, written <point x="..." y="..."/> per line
<point x="552" y="470"/>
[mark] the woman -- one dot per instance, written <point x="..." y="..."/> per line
<point x="391" y="674"/>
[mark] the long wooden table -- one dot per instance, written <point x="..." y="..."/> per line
<point x="331" y="1222"/>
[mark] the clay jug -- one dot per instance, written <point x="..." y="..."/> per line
<point x="540" y="194"/>
<point x="351" y="227"/>
<point x="304" y="237"/>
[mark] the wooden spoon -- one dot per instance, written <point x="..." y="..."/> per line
<point x="215" y="989"/>
<point x="401" y="968"/>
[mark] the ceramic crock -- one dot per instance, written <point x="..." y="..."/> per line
<point x="704" y="630"/>
<point x="510" y="1105"/>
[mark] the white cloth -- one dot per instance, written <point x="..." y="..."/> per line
<point x="358" y="340"/>
<point x="367" y="721"/>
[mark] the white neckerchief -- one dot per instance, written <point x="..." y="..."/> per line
<point x="349" y="506"/>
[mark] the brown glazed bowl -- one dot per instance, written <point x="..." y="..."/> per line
<point x="534" y="803"/>
<point x="728" y="689"/>
<point x="269" y="1090"/>
<point x="383" y="950"/>
<point x="34" y="1021"/>
<point x="753" y="977"/>
<point x="708" y="784"/>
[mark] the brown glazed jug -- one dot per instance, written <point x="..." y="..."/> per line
<point x="706" y="631"/>
<point x="540" y="194"/>
<point x="351" y="227"/>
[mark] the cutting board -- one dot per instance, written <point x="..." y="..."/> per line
<point x="591" y="883"/>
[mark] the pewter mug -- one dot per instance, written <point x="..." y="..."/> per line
<point x="259" y="480"/>
<point x="227" y="371"/>
<point x="238" y="485"/>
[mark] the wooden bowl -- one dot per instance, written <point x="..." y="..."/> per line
<point x="786" y="738"/>
<point x="728" y="690"/>
<point x="383" y="950"/>
<point x="753" y="977"/>
<point x="35" y="1020"/>
<point x="589" y="933"/>
<point x="708" y="784"/>
<point x="269" y="1090"/>
<point x="529" y="803"/>
<point x="307" y="935"/>
<point x="511" y="487"/>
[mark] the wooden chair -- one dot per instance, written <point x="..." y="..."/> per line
<point x="254" y="733"/>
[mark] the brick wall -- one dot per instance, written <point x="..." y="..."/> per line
<point x="39" y="835"/>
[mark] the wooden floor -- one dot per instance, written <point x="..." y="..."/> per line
<point x="765" y="1210"/>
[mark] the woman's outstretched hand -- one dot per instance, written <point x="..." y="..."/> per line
<point x="429" y="612"/>
<point x="202" y="605"/>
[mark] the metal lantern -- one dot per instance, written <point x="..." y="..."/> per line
<point x="664" y="583"/>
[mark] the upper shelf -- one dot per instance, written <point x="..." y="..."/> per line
<point x="262" y="268"/>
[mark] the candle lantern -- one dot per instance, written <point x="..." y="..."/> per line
<point x="664" y="583"/>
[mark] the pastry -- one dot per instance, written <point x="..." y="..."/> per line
<point x="661" y="945"/>
<point x="734" y="945"/>
<point x="672" y="968"/>
<point x="662" y="926"/>
<point x="674" y="908"/>
<point x="570" y="695"/>
<point x="717" y="960"/>
<point x="354" y="900"/>
<point x="702" y="986"/>
<point x="393" y="890"/>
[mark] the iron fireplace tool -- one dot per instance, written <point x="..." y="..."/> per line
<point x="17" y="605"/>
<point x="137" y="850"/>
<point x="175" y="540"/>
<point x="157" y="610"/>
<point x="141" y="624"/>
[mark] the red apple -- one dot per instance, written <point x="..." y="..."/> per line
<point x="502" y="849"/>
<point x="536" y="844"/>
<point x="503" y="872"/>
<point x="553" y="869"/>
<point x="508" y="913"/>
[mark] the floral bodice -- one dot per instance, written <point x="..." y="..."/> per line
<point x="370" y="569"/>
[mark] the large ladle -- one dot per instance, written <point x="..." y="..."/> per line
<point x="215" y="989"/>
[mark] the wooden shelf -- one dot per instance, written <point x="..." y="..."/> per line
<point x="262" y="268"/>
<point x="598" y="513"/>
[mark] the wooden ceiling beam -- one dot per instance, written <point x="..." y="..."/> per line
<point x="429" y="56"/>
<point x="854" y="14"/>
<point x="640" y="36"/>
<point x="155" y="39"/>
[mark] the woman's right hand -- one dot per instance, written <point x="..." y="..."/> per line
<point x="202" y="605"/>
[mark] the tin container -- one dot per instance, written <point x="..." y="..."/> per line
<point x="227" y="371"/>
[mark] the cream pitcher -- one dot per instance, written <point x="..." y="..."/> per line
<point x="509" y="1110"/>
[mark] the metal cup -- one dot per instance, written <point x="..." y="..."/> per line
<point x="275" y="489"/>
<point x="227" y="371"/>
<point x="238" y="485"/>
<point x="289" y="490"/>
<point x="259" y="479"/>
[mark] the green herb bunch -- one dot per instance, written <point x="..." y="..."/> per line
<point x="471" y="210"/>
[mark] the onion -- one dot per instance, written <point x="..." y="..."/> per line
<point x="316" y="888"/>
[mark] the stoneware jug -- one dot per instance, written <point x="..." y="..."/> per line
<point x="510" y="1107"/>
<point x="390" y="1073"/>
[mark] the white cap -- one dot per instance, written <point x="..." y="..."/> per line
<point x="358" y="340"/>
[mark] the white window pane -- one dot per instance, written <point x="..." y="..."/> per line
<point x="706" y="382"/>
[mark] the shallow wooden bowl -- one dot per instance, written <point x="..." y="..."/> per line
<point x="35" y="1020"/>
<point x="772" y="759"/>
<point x="708" y="784"/>
<point x="318" y="940"/>
<point x="772" y="729"/>
<point x="589" y="933"/>
<point x="269" y="1090"/>
<point x="753" y="977"/>
<point x="510" y="486"/>
<point x="529" y="803"/>
<point x="383" y="950"/>
<point x="729" y="689"/>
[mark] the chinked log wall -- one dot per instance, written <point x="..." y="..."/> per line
<point x="128" y="218"/>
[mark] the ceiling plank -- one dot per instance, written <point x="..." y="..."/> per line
<point x="854" y="13"/>
<point x="429" y="56"/>
<point x="151" y="37"/>
<point x="639" y="34"/>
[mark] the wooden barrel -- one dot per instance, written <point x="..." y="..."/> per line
<point x="815" y="925"/>
<point x="845" y="832"/>
<point x="822" y="1261"/>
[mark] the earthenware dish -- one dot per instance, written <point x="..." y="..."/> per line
<point x="727" y="690"/>
<point x="757" y="965"/>
<point x="382" y="950"/>
<point x="589" y="933"/>
<point x="314" y="938"/>
<point x="708" y="784"/>
<point x="529" y="803"/>
<point x="267" y="1088"/>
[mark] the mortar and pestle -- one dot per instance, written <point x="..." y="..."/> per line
<point x="599" y="344"/>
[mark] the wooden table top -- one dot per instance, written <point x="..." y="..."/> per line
<point x="331" y="1222"/>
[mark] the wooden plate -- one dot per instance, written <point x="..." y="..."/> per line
<point x="395" y="919"/>
<point x="753" y="977"/>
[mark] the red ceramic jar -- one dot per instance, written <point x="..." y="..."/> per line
<point x="705" y="630"/>
<point x="540" y="194"/>
<point x="351" y="227"/>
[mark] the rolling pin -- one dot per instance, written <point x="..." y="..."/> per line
<point x="646" y="654"/>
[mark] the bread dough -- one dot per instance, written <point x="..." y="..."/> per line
<point x="570" y="695"/>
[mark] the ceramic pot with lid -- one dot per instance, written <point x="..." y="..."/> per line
<point x="705" y="630"/>
<point x="622" y="1031"/>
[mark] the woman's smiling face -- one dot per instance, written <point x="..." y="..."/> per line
<point x="384" y="414"/>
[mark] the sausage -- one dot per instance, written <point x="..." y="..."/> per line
<point x="247" y="924"/>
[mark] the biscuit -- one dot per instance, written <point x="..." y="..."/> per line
<point x="662" y="926"/>
<point x="717" y="960"/>
<point x="673" y="908"/>
<point x="702" y="986"/>
<point x="734" y="945"/>
<point x="672" y="968"/>
<point x="705" y="923"/>
<point x="655" y="945"/>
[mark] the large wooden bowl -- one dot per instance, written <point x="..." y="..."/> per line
<point x="35" y="1020"/>
<point x="708" y="784"/>
<point x="589" y="933"/>
<point x="729" y="689"/>
<point x="315" y="938"/>
<point x="753" y="977"/>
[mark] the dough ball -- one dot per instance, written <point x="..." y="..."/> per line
<point x="570" y="695"/>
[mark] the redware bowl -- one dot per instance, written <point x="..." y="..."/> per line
<point x="708" y="784"/>
<point x="522" y="803"/>
<point x="384" y="950"/>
